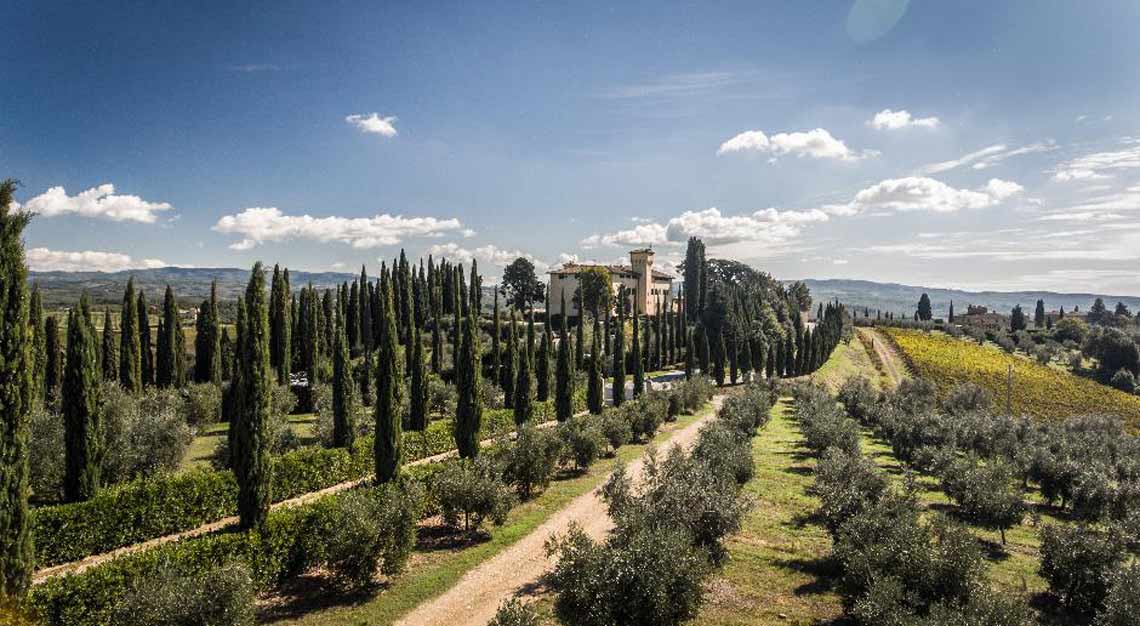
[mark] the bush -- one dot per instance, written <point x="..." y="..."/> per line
<point x="823" y="424"/>
<point x="355" y="534"/>
<point x="858" y="397"/>
<point x="47" y="454"/>
<point x="651" y="576"/>
<point x="1078" y="561"/>
<point x="202" y="404"/>
<point x="532" y="459"/>
<point x="470" y="492"/>
<point x="847" y="485"/>
<point x="725" y="452"/>
<point x="220" y="596"/>
<point x="985" y="493"/>
<point x="1124" y="381"/>
<point x="513" y="612"/>
<point x="967" y="398"/>
<point x="615" y="428"/>
<point x="144" y="435"/>
<point x="441" y="396"/>
<point x="582" y="440"/>
<point x="1122" y="604"/>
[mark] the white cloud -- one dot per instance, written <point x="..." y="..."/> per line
<point x="644" y="234"/>
<point x="45" y="260"/>
<point x="1099" y="165"/>
<point x="257" y="225"/>
<point x="817" y="143"/>
<point x="373" y="123"/>
<point x="489" y="255"/>
<point x="916" y="193"/>
<point x="894" y="120"/>
<point x="767" y="225"/>
<point x="987" y="157"/>
<point x="98" y="201"/>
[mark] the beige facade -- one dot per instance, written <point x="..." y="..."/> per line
<point x="645" y="285"/>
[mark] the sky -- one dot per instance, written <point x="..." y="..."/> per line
<point x="966" y="144"/>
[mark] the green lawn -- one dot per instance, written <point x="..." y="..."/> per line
<point x="847" y="360"/>
<point x="202" y="447"/>
<point x="431" y="572"/>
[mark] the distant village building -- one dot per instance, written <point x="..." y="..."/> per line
<point x="645" y="284"/>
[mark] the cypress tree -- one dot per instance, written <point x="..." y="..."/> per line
<point x="310" y="344"/>
<point x="436" y="346"/>
<point x="146" y="355"/>
<point x="693" y="269"/>
<point x="542" y="364"/>
<point x="344" y="414"/>
<point x="352" y="317"/>
<point x="564" y="375"/>
<point x="457" y="312"/>
<point x="469" y="408"/>
<point x="744" y="359"/>
<point x="530" y="345"/>
<point x="110" y="352"/>
<point x="619" y="352"/>
<point x="406" y="307"/>
<point x="207" y="341"/>
<point x="718" y="357"/>
<point x="366" y="313"/>
<point x="510" y="364"/>
<point x="950" y="317"/>
<point x="418" y="411"/>
<point x="250" y="446"/>
<point x="130" y="352"/>
<point x="367" y="376"/>
<point x="328" y="323"/>
<point x="16" y="553"/>
<point x="169" y="366"/>
<point x="53" y="369"/>
<point x="579" y="341"/>
<point x="809" y="353"/>
<point x="690" y="354"/>
<point x="659" y="330"/>
<point x="733" y="360"/>
<point x="496" y="339"/>
<point x="389" y="378"/>
<point x="523" y="407"/>
<point x="701" y="340"/>
<point x="226" y="355"/>
<point x="1039" y="314"/>
<point x="635" y="357"/>
<point x="38" y="359"/>
<point x="280" y="327"/>
<point x="790" y="357"/>
<point x="797" y="366"/>
<point x="83" y="434"/>
<point x="770" y="362"/>
<point x="595" y="392"/>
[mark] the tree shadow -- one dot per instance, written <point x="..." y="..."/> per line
<point x="436" y="538"/>
<point x="312" y="592"/>
<point x="824" y="570"/>
<point x="800" y="470"/>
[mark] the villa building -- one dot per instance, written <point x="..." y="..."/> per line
<point x="647" y="285"/>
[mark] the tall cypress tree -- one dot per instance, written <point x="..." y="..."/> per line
<point x="579" y="340"/>
<point x="83" y="434"/>
<point x="618" y="372"/>
<point x="130" y="352"/>
<point x="790" y="357"/>
<point x="690" y="354"/>
<point x="280" y="327"/>
<point x="436" y="345"/>
<point x="207" y="341"/>
<point x="733" y="359"/>
<point x="344" y="413"/>
<point x="693" y="270"/>
<point x="595" y="391"/>
<point x="563" y="374"/>
<point x="38" y="359"/>
<point x="366" y="338"/>
<point x="146" y="355"/>
<point x="717" y="351"/>
<point x="457" y="314"/>
<point x="16" y="553"/>
<point x="169" y="366"/>
<point x="109" y="355"/>
<point x="53" y="369"/>
<point x="524" y="409"/>
<point x="418" y="411"/>
<point x="496" y="340"/>
<point x="635" y="357"/>
<point x="744" y="359"/>
<point x="510" y="364"/>
<point x="352" y="317"/>
<point x="389" y="378"/>
<point x="469" y="408"/>
<point x="542" y="364"/>
<point x="250" y="446"/>
<point x="704" y="359"/>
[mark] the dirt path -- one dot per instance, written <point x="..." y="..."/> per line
<point x="474" y="600"/>
<point x="76" y="567"/>
<point x="892" y="362"/>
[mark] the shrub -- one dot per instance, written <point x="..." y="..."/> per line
<point x="985" y="493"/>
<point x="491" y="393"/>
<point x="858" y="397"/>
<point x="220" y="596"/>
<point x="1122" y="604"/>
<point x="1078" y="561"/>
<point x="441" y="396"/>
<point x="470" y="492"/>
<point x="915" y="395"/>
<point x="967" y="398"/>
<point x="532" y="459"/>
<point x="202" y="404"/>
<point x="355" y="534"/>
<point x="725" y="452"/>
<point x="823" y="424"/>
<point x="514" y="612"/>
<point x="615" y="428"/>
<point x="1123" y="380"/>
<point x="649" y="577"/>
<point x="582" y="440"/>
<point x="847" y="485"/>
<point x="47" y="456"/>
<point x="144" y="435"/>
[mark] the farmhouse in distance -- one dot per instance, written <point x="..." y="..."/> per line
<point x="651" y="288"/>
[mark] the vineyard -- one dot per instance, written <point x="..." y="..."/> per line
<point x="1038" y="390"/>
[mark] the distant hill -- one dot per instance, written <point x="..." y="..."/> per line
<point x="903" y="299"/>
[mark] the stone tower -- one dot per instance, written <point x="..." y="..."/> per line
<point x="642" y="263"/>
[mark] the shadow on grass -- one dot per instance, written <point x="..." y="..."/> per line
<point x="435" y="538"/>
<point x="311" y="592"/>
<point x="800" y="470"/>
<point x="824" y="570"/>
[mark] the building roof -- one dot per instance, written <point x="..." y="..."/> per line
<point x="574" y="268"/>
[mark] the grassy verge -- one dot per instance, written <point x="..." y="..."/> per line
<point x="431" y="572"/>
<point x="202" y="447"/>
<point x="847" y="360"/>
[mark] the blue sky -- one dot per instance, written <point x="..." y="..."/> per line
<point x="160" y="133"/>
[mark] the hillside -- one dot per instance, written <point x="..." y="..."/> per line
<point x="903" y="298"/>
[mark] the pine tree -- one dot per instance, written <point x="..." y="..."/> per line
<point x="618" y="372"/>
<point x="344" y="413"/>
<point x="109" y="353"/>
<point x="38" y="359"/>
<point x="146" y="354"/>
<point x="524" y="409"/>
<point x="469" y="408"/>
<point x="564" y="375"/>
<point x="83" y="434"/>
<point x="635" y="357"/>
<point x="16" y="553"/>
<point x="130" y="353"/>
<point x="595" y="391"/>
<point x="387" y="449"/>
<point x="249" y="447"/>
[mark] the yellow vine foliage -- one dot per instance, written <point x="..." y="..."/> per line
<point x="1038" y="390"/>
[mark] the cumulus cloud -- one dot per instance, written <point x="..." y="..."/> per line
<point x="643" y="234"/>
<point x="45" y="260"/>
<point x="917" y="193"/>
<point x="99" y="202"/>
<point x="260" y="224"/>
<point x="817" y="143"/>
<point x="489" y="255"/>
<point x="766" y="225"/>
<point x="894" y="120"/>
<point x="373" y="123"/>
<point x="988" y="157"/>
<point x="1099" y="165"/>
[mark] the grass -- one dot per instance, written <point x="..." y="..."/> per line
<point x="847" y="360"/>
<point x="202" y="447"/>
<point x="431" y="573"/>
<point x="1037" y="390"/>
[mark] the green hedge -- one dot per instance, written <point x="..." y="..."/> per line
<point x="148" y="508"/>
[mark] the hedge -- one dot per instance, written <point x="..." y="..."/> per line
<point x="145" y="509"/>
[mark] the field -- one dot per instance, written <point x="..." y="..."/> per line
<point x="1037" y="390"/>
